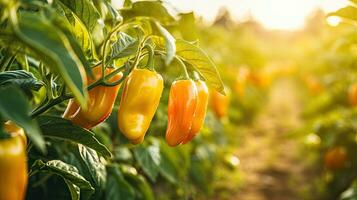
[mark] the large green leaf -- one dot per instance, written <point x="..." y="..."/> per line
<point x="73" y="189"/>
<point x="95" y="167"/>
<point x="168" y="165"/>
<point x="112" y="15"/>
<point x="127" y="3"/>
<point x="117" y="186"/>
<point x="85" y="10"/>
<point x="53" y="48"/>
<point x="200" y="61"/>
<point x="21" y="78"/>
<point x="149" y="160"/>
<point x="124" y="46"/>
<point x="66" y="171"/>
<point x="122" y="154"/>
<point x="150" y="9"/>
<point x="169" y="44"/>
<point x="188" y="25"/>
<point x="142" y="188"/>
<point x="77" y="29"/>
<point x="14" y="107"/>
<point x="59" y="128"/>
<point x="353" y="2"/>
<point x="348" y="13"/>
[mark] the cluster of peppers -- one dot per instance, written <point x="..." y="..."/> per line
<point x="139" y="101"/>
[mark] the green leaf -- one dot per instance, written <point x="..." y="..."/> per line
<point x="21" y="78"/>
<point x="149" y="160"/>
<point x="124" y="46"/>
<point x="113" y="16"/>
<point x="73" y="189"/>
<point x="188" y="26"/>
<point x="75" y="30"/>
<point x="168" y="167"/>
<point x="346" y="13"/>
<point x="53" y="48"/>
<point x="14" y="107"/>
<point x="85" y="11"/>
<point x="143" y="190"/>
<point x="127" y="3"/>
<point x="200" y="61"/>
<point x="66" y="171"/>
<point x="122" y="154"/>
<point x="59" y="128"/>
<point x="150" y="9"/>
<point x="95" y="167"/>
<point x="353" y="1"/>
<point x="169" y="43"/>
<point x="198" y="174"/>
<point x="117" y="186"/>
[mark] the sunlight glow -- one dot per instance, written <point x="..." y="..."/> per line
<point x="273" y="14"/>
<point x="333" y="21"/>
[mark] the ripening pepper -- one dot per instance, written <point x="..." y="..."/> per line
<point x="352" y="95"/>
<point x="181" y="110"/>
<point x="241" y="81"/>
<point x="200" y="111"/>
<point x="336" y="158"/>
<point x="313" y="84"/>
<point x="220" y="103"/>
<point x="13" y="164"/>
<point x="139" y="101"/>
<point x="100" y="102"/>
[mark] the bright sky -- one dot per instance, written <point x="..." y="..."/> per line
<point x="273" y="14"/>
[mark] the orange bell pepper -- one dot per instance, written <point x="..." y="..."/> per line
<point x="220" y="103"/>
<point x="100" y="102"/>
<point x="181" y="110"/>
<point x="200" y="111"/>
<point x="352" y="95"/>
<point x="335" y="158"/>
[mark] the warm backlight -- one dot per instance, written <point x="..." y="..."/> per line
<point x="272" y="14"/>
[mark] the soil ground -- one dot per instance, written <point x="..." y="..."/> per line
<point x="272" y="167"/>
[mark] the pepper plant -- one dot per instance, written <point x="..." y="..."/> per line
<point x="62" y="64"/>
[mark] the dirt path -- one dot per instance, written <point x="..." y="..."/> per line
<point x="270" y="162"/>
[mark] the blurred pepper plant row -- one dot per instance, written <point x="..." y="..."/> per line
<point x="329" y="75"/>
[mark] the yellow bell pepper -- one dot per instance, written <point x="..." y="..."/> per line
<point x="139" y="101"/>
<point x="13" y="164"/>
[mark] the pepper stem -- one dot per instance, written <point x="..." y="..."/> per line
<point x="184" y="68"/>
<point x="150" y="63"/>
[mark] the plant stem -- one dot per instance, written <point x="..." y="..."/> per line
<point x="8" y="64"/>
<point x="107" y="40"/>
<point x="64" y="97"/>
<point x="50" y="104"/>
<point x="182" y="64"/>
<point x="150" y="63"/>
